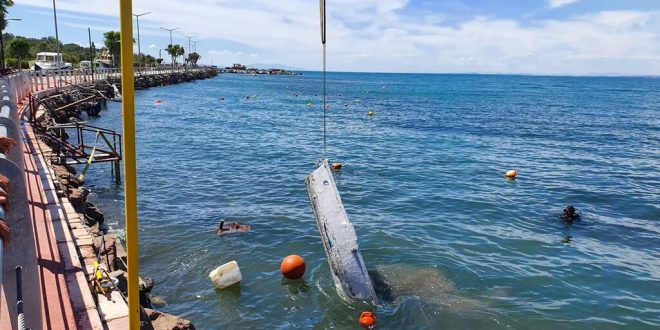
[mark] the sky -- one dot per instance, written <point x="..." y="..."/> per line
<point x="565" y="37"/>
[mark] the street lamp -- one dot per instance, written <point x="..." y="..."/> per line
<point x="57" y="40"/>
<point x="189" y="37"/>
<point x="137" y="18"/>
<point x="171" y="41"/>
<point x="160" y="57"/>
<point x="2" y="45"/>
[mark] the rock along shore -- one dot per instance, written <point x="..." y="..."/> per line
<point x="68" y="107"/>
<point x="163" y="79"/>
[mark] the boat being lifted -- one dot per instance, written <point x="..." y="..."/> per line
<point x="349" y="273"/>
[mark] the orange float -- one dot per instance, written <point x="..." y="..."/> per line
<point x="367" y="320"/>
<point x="293" y="267"/>
<point x="511" y="174"/>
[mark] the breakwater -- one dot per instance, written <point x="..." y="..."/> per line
<point x="168" y="78"/>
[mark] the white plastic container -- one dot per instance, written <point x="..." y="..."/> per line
<point x="226" y="275"/>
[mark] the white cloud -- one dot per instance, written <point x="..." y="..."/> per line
<point x="560" y="3"/>
<point x="376" y="35"/>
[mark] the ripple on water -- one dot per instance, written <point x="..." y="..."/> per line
<point x="450" y="242"/>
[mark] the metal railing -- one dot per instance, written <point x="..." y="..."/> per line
<point x="46" y="79"/>
<point x="22" y="251"/>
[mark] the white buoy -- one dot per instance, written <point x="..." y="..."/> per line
<point x="226" y="275"/>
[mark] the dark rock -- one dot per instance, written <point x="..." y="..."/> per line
<point x="148" y="284"/>
<point x="94" y="213"/>
<point x="78" y="198"/>
<point x="163" y="321"/>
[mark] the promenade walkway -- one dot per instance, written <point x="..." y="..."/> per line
<point x="60" y="297"/>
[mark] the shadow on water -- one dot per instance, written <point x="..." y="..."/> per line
<point x="426" y="284"/>
<point x="424" y="297"/>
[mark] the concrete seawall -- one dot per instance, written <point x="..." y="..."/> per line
<point x="59" y="276"/>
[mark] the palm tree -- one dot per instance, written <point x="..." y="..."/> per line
<point x="193" y="58"/>
<point x="112" y="43"/>
<point x="175" y="51"/>
<point x="4" y="4"/>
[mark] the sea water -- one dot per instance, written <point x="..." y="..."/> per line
<point x="449" y="242"/>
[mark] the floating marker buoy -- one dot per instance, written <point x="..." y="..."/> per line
<point x="367" y="320"/>
<point x="371" y="113"/>
<point x="511" y="174"/>
<point x="293" y="267"/>
<point x="226" y="275"/>
<point x="335" y="166"/>
<point x="158" y="101"/>
<point x="309" y="104"/>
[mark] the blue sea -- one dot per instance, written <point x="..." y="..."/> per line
<point x="449" y="242"/>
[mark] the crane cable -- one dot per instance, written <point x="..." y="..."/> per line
<point x="325" y="108"/>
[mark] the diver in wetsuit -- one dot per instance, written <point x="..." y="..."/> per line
<point x="570" y="215"/>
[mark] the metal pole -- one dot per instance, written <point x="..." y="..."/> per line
<point x="130" y="183"/>
<point x="2" y="48"/>
<point x="91" y="52"/>
<point x="325" y="108"/>
<point x="189" y="37"/>
<point x="171" y="42"/>
<point x="19" y="298"/>
<point x="137" y="18"/>
<point x="57" y="39"/>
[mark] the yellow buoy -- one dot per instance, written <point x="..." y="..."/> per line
<point x="511" y="174"/>
<point x="370" y="113"/>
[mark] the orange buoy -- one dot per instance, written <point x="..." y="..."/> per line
<point x="293" y="267"/>
<point x="367" y="319"/>
<point x="157" y="101"/>
<point x="511" y="174"/>
<point x="335" y="166"/>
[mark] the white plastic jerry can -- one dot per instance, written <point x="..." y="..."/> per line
<point x="226" y="275"/>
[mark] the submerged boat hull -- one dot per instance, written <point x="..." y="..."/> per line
<point x="349" y="271"/>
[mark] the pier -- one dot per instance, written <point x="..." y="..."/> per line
<point x="65" y="272"/>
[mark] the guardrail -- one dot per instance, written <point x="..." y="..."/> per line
<point x="22" y="251"/>
<point x="45" y="79"/>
